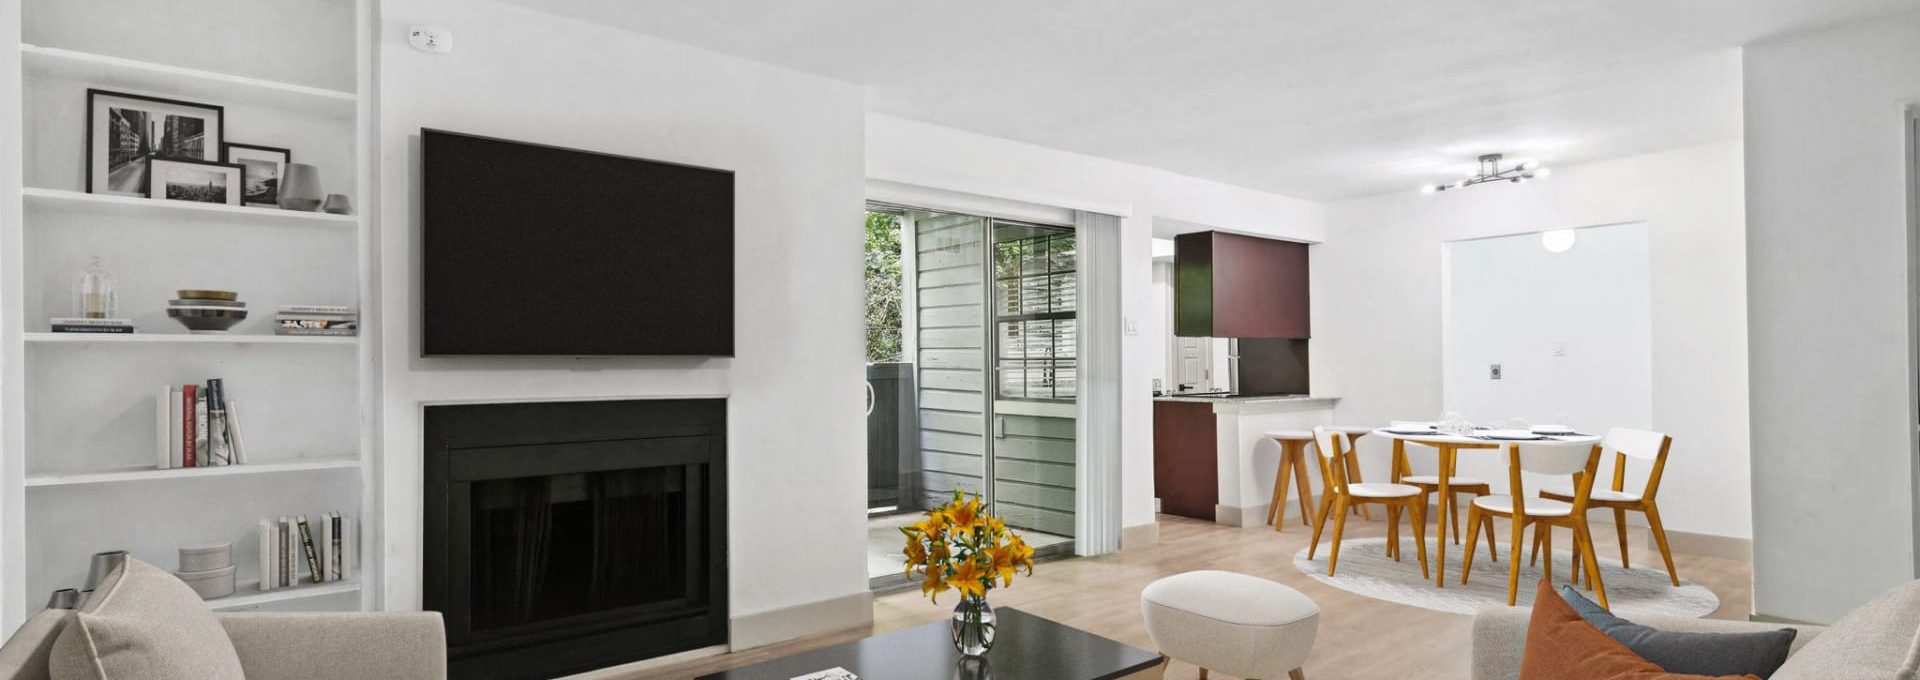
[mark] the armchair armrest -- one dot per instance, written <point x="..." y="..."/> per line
<point x="1500" y="636"/>
<point x="339" y="646"/>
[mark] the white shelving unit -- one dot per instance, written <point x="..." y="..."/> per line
<point x="68" y="487"/>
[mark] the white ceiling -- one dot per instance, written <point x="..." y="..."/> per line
<point x="1318" y="99"/>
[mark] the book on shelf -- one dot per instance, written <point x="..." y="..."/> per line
<point x="198" y="426"/>
<point x="316" y="324"/>
<point x="74" y="324"/>
<point x="323" y="546"/>
<point x="325" y="310"/>
<point x="319" y="332"/>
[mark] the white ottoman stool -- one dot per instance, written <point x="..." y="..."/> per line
<point x="1237" y="624"/>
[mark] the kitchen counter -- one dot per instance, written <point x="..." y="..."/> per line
<point x="1212" y="459"/>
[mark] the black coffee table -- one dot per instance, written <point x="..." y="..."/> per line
<point x="1025" y="647"/>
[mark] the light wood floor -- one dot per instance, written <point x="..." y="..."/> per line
<point x="1360" y="638"/>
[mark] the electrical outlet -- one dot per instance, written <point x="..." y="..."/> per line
<point x="1559" y="348"/>
<point x="430" y="39"/>
<point x="1493" y="371"/>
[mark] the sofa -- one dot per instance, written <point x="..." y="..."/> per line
<point x="150" y="609"/>
<point x="1878" y="641"/>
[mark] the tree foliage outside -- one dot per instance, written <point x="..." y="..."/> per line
<point x="883" y="288"/>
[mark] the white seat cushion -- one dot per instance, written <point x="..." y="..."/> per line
<point x="1435" y="479"/>
<point x="1302" y="435"/>
<point x="1231" y="598"/>
<point x="1382" y="490"/>
<point x="1598" y="494"/>
<point x="1536" y="507"/>
<point x="1351" y="430"/>
<point x="1234" y="624"/>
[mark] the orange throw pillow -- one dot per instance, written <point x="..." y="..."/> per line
<point x="1563" y="646"/>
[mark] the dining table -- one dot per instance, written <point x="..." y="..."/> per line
<point x="1449" y="445"/>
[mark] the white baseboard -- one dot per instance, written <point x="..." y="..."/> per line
<point x="813" y="618"/>
<point x="1139" y="535"/>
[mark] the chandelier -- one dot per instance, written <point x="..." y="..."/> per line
<point x="1490" y="171"/>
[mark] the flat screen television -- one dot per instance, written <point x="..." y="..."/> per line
<point x="539" y="250"/>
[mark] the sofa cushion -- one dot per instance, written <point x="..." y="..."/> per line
<point x="1758" y="653"/>
<point x="1875" y="642"/>
<point x="25" y="655"/>
<point x="1563" y="646"/>
<point x="144" y="623"/>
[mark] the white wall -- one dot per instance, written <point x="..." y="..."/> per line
<point x="796" y="462"/>
<point x="921" y="154"/>
<point x="1377" y="306"/>
<point x="1571" y="331"/>
<point x="1833" y="455"/>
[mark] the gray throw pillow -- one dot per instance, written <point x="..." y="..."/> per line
<point x="1710" y="654"/>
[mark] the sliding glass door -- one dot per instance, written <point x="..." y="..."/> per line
<point x="988" y="360"/>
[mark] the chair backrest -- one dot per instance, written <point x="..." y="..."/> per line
<point x="1553" y="458"/>
<point x="1627" y="442"/>
<point x="1333" y="446"/>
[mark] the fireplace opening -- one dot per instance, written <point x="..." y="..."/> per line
<point x="563" y="537"/>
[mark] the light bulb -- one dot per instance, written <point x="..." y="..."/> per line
<point x="1542" y="172"/>
<point x="1429" y="188"/>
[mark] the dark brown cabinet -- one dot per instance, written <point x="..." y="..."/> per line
<point x="1234" y="286"/>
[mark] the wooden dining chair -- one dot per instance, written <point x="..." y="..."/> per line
<point x="1580" y="461"/>
<point x="1339" y="495"/>
<point x="1630" y="443"/>
<point x="1456" y="485"/>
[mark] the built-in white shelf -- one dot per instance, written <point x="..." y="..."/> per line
<point x="141" y="77"/>
<point x="150" y="474"/>
<point x="187" y="339"/>
<point x="128" y="206"/>
<point x="250" y="594"/>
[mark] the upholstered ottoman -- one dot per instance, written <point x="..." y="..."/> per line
<point x="1236" y="624"/>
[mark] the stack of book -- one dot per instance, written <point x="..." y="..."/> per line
<point x="66" y="324"/>
<point x="197" y="426"/>
<point x="317" y="320"/>
<point x="324" y="547"/>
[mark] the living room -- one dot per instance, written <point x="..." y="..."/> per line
<point x="1747" y="164"/>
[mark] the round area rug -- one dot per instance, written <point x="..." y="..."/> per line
<point x="1366" y="570"/>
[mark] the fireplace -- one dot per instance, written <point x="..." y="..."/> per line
<point x="564" y="537"/>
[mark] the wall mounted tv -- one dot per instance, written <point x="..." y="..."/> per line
<point x="538" y="250"/>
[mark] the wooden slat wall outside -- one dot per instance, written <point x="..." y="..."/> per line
<point x="952" y="363"/>
<point x="1033" y="472"/>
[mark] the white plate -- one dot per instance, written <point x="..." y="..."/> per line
<point x="1512" y="435"/>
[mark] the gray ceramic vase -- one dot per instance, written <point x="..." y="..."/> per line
<point x="337" y="204"/>
<point x="300" y="188"/>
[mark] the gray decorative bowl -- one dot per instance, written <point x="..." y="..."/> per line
<point x="207" y="319"/>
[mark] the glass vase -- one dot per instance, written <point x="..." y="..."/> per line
<point x="94" y="293"/>
<point x="973" y="626"/>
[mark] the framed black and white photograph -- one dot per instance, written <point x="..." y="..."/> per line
<point x="124" y="131"/>
<point x="265" y="166"/>
<point x="179" y="179"/>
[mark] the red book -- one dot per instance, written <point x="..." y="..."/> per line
<point x="188" y="396"/>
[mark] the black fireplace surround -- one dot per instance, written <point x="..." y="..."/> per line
<point x="565" y="537"/>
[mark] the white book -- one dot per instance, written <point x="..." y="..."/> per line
<point x="238" y="442"/>
<point x="326" y="547"/>
<point x="162" y="450"/>
<point x="176" y="430"/>
<point x="350" y="552"/>
<point x="317" y="309"/>
<point x="267" y="581"/>
<point x="202" y="456"/>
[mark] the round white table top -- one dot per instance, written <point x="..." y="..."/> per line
<point x="1421" y="436"/>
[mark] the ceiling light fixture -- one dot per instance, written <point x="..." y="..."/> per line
<point x="1490" y="171"/>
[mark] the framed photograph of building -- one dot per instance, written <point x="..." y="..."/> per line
<point x="179" y="179"/>
<point x="124" y="131"/>
<point x="265" y="166"/>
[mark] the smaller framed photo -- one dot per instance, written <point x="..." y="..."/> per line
<point x="178" y="179"/>
<point x="265" y="166"/>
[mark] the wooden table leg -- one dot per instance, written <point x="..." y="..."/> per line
<point x="1446" y="503"/>
<point x="1306" y="489"/>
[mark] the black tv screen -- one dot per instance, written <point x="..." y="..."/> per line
<point x="537" y="250"/>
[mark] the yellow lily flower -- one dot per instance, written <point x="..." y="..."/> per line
<point x="969" y="579"/>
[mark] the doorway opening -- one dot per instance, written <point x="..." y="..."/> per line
<point x="972" y="373"/>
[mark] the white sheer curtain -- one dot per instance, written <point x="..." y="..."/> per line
<point x="1097" y="521"/>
